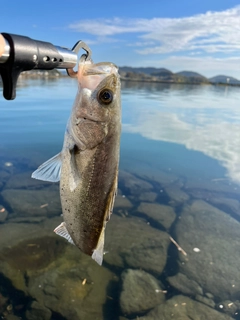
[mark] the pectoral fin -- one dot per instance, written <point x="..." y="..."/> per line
<point x="49" y="170"/>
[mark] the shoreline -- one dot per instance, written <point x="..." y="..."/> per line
<point x="175" y="82"/>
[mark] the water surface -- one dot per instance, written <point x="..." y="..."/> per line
<point x="179" y="178"/>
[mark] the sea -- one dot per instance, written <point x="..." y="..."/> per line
<point x="173" y="242"/>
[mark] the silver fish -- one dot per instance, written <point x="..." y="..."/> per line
<point x="87" y="166"/>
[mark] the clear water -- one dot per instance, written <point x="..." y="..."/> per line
<point x="180" y="148"/>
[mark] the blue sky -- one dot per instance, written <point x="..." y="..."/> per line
<point x="202" y="36"/>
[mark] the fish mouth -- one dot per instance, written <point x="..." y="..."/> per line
<point x="102" y="68"/>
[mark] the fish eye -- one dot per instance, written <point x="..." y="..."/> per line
<point x="105" y="96"/>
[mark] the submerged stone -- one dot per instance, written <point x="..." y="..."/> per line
<point x="25" y="247"/>
<point x="122" y="202"/>
<point x="3" y="214"/>
<point x="38" y="311"/>
<point x="4" y="175"/>
<point x="74" y="286"/>
<point x="14" y="218"/>
<point x="176" y="195"/>
<point x="215" y="265"/>
<point x="34" y="254"/>
<point x="134" y="184"/>
<point x="185" y="285"/>
<point x="53" y="272"/>
<point x="183" y="308"/>
<point x="205" y="300"/>
<point x="162" y="214"/>
<point x="229" y="307"/>
<point x="132" y="242"/>
<point x="140" y="292"/>
<point x="215" y="185"/>
<point x="148" y="196"/>
<point x="153" y="174"/>
<point x="34" y="202"/>
<point x="24" y="181"/>
<point x="229" y="203"/>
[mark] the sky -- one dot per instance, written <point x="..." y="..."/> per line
<point x="196" y="35"/>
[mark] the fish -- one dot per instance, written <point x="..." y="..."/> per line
<point x="88" y="164"/>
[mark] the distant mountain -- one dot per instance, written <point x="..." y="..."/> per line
<point x="224" y="79"/>
<point x="147" y="70"/>
<point x="194" y="76"/>
<point x="160" y="75"/>
<point x="190" y="74"/>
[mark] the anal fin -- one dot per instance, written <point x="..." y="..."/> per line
<point x="61" y="230"/>
<point x="98" y="252"/>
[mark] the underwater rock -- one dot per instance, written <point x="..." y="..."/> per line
<point x="140" y="292"/>
<point x="73" y="286"/>
<point x="24" y="181"/>
<point x="176" y="195"/>
<point x="132" y="183"/>
<point x="25" y="247"/>
<point x="122" y="202"/>
<point x="205" y="300"/>
<point x="181" y="307"/>
<point x="185" y="285"/>
<point x="211" y="239"/>
<point x="4" y="175"/>
<point x="148" y="196"/>
<point x="3" y="213"/>
<point x="229" y="307"/>
<point x="11" y="317"/>
<point x="215" y="185"/>
<point x="209" y="295"/>
<point x="34" y="202"/>
<point x="52" y="271"/>
<point x="153" y="174"/>
<point x="229" y="203"/>
<point x="132" y="242"/>
<point x="38" y="311"/>
<point x="162" y="214"/>
<point x="3" y="303"/>
<point x="13" y="218"/>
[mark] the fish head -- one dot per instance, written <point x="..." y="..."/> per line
<point x="97" y="105"/>
<point x="99" y="90"/>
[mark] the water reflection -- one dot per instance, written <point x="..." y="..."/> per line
<point x="202" y="118"/>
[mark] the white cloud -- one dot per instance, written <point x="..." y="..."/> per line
<point x="210" y="32"/>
